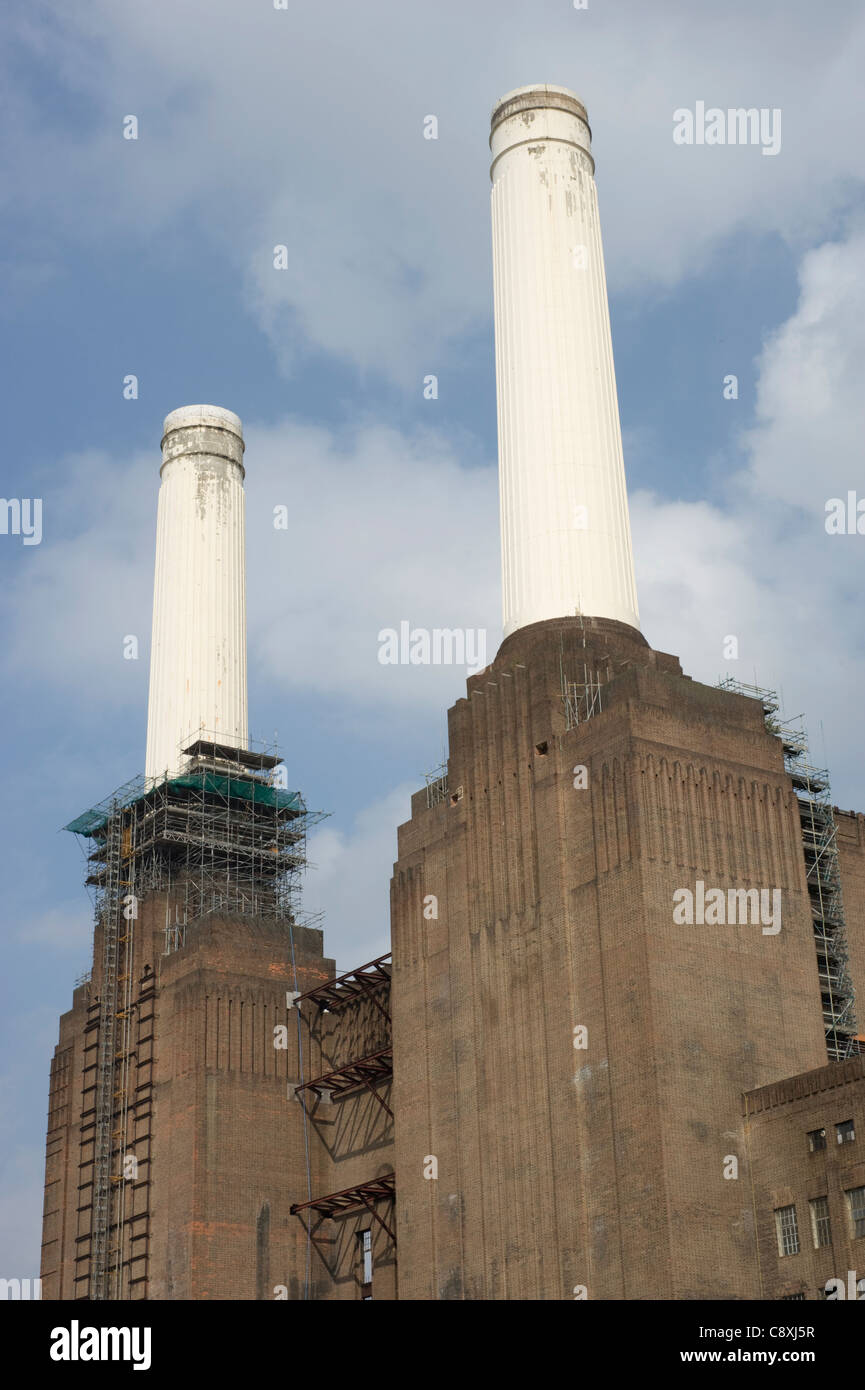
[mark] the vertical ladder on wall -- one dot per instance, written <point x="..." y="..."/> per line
<point x="125" y="918"/>
<point x="105" y="1070"/>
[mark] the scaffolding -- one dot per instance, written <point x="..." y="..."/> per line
<point x="820" y="850"/>
<point x="218" y="837"/>
<point x="581" y="698"/>
<point x="436" y="786"/>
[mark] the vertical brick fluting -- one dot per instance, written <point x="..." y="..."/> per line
<point x="214" y="1123"/>
<point x="596" y="1168"/>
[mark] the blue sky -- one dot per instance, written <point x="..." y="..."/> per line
<point x="154" y="257"/>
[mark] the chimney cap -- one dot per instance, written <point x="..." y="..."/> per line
<point x="213" y="417"/>
<point x="537" y="96"/>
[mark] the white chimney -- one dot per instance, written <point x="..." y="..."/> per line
<point x="198" y="653"/>
<point x="566" y="536"/>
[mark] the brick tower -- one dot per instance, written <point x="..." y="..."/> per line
<point x="571" y="1056"/>
<point x="569" y="1051"/>
<point x="597" y="1065"/>
<point x="175" y="1142"/>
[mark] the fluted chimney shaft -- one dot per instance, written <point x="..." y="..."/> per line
<point x="566" y="537"/>
<point x="198" y="653"/>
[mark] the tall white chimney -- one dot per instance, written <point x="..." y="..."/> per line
<point x="198" y="652"/>
<point x="566" y="536"/>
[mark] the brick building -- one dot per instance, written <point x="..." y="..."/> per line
<point x="626" y="921"/>
<point x="599" y="1162"/>
<point x="804" y="1138"/>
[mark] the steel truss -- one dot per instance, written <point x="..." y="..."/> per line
<point x="366" y="982"/>
<point x="368" y="1071"/>
<point x="364" y="1195"/>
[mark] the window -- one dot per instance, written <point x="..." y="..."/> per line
<point x="821" y="1228"/>
<point x="793" y="1297"/>
<point x="856" y="1198"/>
<point x="787" y="1230"/>
<point x="816" y="1140"/>
<point x="364" y="1245"/>
<point x="845" y="1132"/>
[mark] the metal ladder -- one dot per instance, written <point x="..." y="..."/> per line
<point x="105" y="1069"/>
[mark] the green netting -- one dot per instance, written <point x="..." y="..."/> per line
<point x="240" y="789"/>
<point x="87" y="823"/>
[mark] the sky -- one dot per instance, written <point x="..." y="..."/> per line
<point x="303" y="126"/>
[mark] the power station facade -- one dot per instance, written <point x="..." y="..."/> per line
<point x="613" y="1052"/>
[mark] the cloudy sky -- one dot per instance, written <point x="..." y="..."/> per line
<point x="303" y="127"/>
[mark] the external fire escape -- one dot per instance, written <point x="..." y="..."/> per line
<point x="368" y="982"/>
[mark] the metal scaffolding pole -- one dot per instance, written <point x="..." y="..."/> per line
<point x="820" y="851"/>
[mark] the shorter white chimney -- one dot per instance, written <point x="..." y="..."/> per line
<point x="198" y="652"/>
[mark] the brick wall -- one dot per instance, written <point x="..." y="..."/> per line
<point x="601" y="1167"/>
<point x="787" y="1172"/>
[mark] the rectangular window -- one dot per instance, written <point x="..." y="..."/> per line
<point x="821" y="1228"/>
<point x="816" y="1140"/>
<point x="787" y="1230"/>
<point x="364" y="1246"/>
<point x="845" y="1132"/>
<point x="856" y="1198"/>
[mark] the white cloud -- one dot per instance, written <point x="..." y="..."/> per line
<point x="76" y="596"/>
<point x="807" y="442"/>
<point x="386" y="526"/>
<point x="263" y="127"/>
<point x="350" y="879"/>
<point x="383" y="526"/>
<point x="762" y="567"/>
